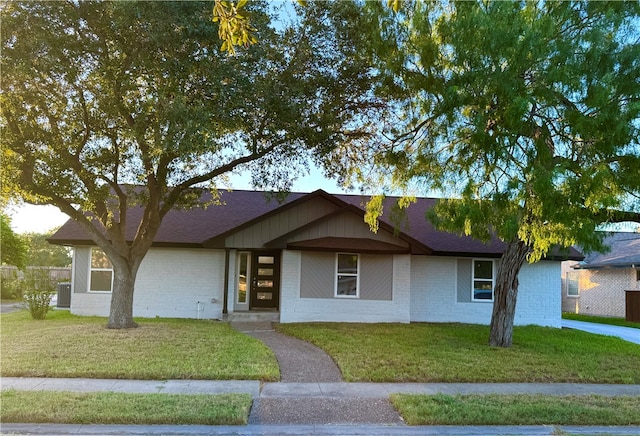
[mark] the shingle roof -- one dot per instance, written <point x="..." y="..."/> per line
<point x="625" y="252"/>
<point x="195" y="227"/>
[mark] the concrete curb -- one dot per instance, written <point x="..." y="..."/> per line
<point x="329" y="430"/>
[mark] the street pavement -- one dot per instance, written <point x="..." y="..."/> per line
<point x="322" y="430"/>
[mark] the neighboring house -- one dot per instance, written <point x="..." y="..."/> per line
<point x="310" y="258"/>
<point x="597" y="285"/>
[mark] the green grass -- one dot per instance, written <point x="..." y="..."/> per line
<point x="601" y="320"/>
<point x="65" y="345"/>
<point x="516" y="410"/>
<point x="119" y="408"/>
<point x="460" y="353"/>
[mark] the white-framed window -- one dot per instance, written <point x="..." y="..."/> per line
<point x="571" y="283"/>
<point x="347" y="275"/>
<point x="100" y="272"/>
<point x="244" y="265"/>
<point x="482" y="280"/>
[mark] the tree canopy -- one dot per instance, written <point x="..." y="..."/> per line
<point x="41" y="253"/>
<point x="111" y="105"/>
<point x="13" y="250"/>
<point x="526" y="112"/>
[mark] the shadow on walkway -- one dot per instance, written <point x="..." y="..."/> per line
<point x="302" y="362"/>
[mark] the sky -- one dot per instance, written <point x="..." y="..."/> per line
<point x="40" y="219"/>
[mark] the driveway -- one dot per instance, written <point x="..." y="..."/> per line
<point x="627" y="333"/>
<point x="10" y="307"/>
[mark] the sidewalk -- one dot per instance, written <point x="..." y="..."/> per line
<point x="329" y="399"/>
<point x="308" y="390"/>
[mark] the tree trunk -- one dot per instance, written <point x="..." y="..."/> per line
<point x="506" y="293"/>
<point x="121" y="313"/>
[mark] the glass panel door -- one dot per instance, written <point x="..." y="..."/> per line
<point x="265" y="283"/>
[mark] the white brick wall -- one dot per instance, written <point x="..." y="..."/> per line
<point x="434" y="294"/>
<point x="296" y="309"/>
<point x="91" y="304"/>
<point x="539" y="295"/>
<point x="170" y="283"/>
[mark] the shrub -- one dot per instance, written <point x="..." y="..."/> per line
<point x="38" y="290"/>
<point x="10" y="286"/>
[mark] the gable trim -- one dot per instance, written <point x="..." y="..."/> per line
<point x="218" y="241"/>
<point x="354" y="245"/>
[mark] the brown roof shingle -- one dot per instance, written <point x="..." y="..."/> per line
<point x="194" y="227"/>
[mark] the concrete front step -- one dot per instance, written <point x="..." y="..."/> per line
<point x="254" y="316"/>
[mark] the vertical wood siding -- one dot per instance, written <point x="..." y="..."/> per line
<point x="464" y="280"/>
<point x="81" y="269"/>
<point x="266" y="230"/>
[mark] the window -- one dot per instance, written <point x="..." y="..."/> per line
<point x="571" y="282"/>
<point x="638" y="275"/>
<point x="243" y="274"/>
<point x="101" y="274"/>
<point x="482" y="280"/>
<point x="347" y="275"/>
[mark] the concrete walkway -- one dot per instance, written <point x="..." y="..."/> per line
<point x="299" y="360"/>
<point x="627" y="333"/>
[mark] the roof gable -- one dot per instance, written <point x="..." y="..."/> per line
<point x="624" y="252"/>
<point x="247" y="214"/>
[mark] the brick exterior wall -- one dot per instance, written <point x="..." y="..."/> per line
<point x="177" y="282"/>
<point x="601" y="291"/>
<point x="434" y="294"/>
<point x="293" y="308"/>
<point x="171" y="283"/>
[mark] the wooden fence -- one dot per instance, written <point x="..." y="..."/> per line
<point x="58" y="274"/>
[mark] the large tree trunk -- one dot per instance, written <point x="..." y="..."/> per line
<point x="121" y="313"/>
<point x="506" y="293"/>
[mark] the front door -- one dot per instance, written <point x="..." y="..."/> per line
<point x="265" y="282"/>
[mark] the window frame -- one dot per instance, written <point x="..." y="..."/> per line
<point x="337" y="274"/>
<point x="91" y="269"/>
<point x="567" y="280"/>
<point x="247" y="277"/>
<point x="473" y="280"/>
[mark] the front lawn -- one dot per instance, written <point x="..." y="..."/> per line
<point x="517" y="410"/>
<point x="460" y="353"/>
<point x="119" y="408"/>
<point x="600" y="320"/>
<point x="64" y="345"/>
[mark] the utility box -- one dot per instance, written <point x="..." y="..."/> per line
<point x="64" y="295"/>
<point x="632" y="312"/>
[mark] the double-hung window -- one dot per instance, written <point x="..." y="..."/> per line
<point x="101" y="274"/>
<point x="347" y="283"/>
<point x="572" y="284"/>
<point x="483" y="280"/>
